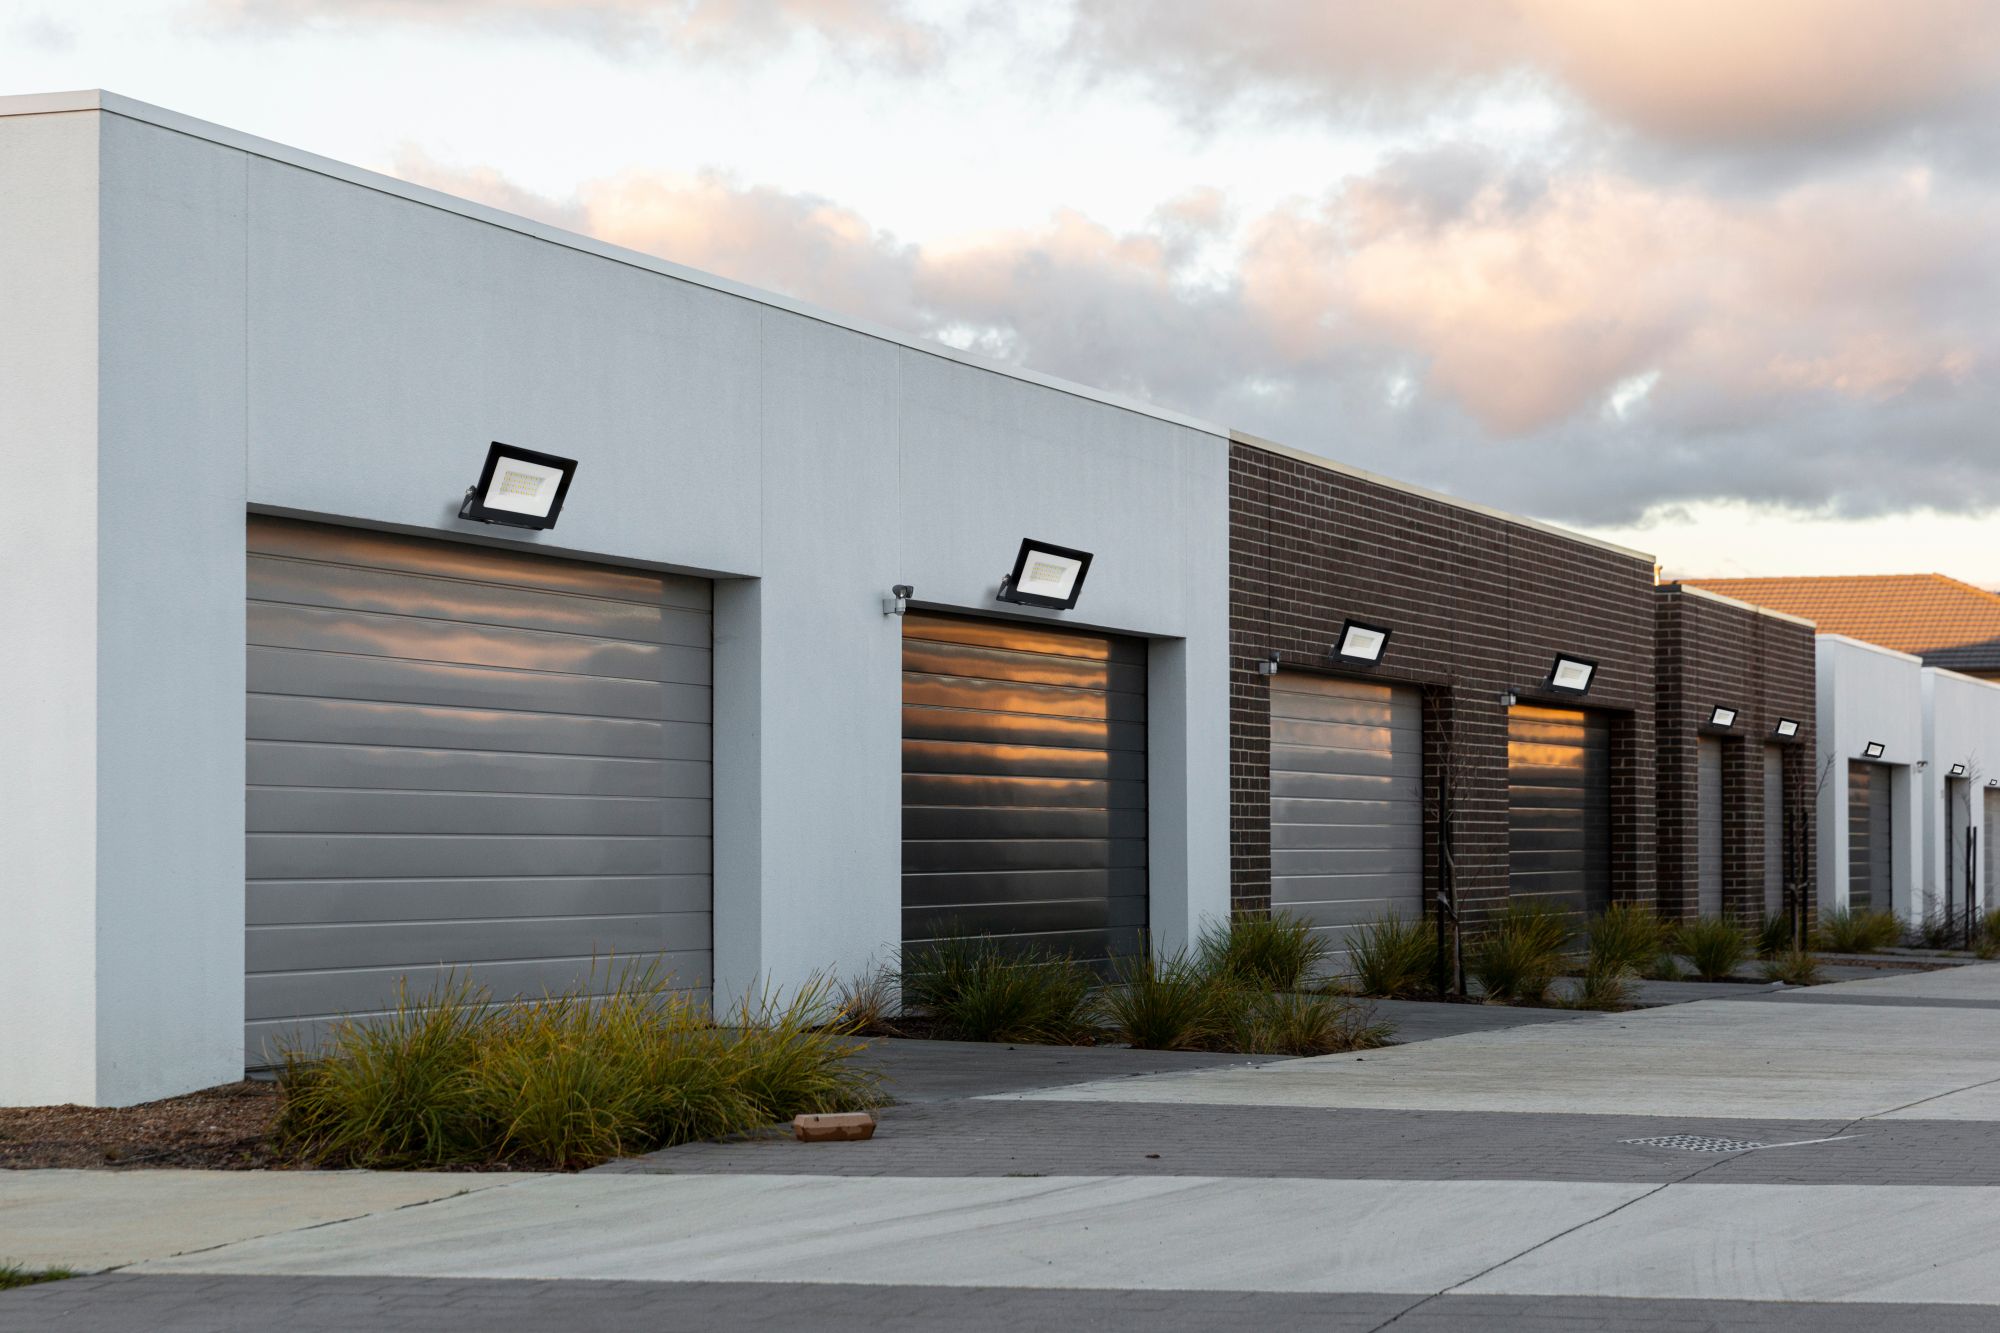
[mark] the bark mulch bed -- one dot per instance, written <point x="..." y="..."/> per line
<point x="226" y="1127"/>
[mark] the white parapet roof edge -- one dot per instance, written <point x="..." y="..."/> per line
<point x="1425" y="493"/>
<point x="1866" y="646"/>
<point x="97" y="99"/>
<point x="1962" y="678"/>
<point x="1694" y="590"/>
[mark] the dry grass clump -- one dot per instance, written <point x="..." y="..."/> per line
<point x="984" y="988"/>
<point x="1713" y="946"/>
<point x="1861" y="930"/>
<point x="566" y="1081"/>
<point x="1518" y="957"/>
<point x="1395" y="958"/>
<point x="1277" y="952"/>
<point x="1795" y="967"/>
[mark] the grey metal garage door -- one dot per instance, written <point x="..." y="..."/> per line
<point x="466" y="758"/>
<point x="1869" y="876"/>
<point x="1347" y="808"/>
<point x="1708" y="826"/>
<point x="1024" y="784"/>
<point x="1559" y="807"/>
<point x="1990" y="852"/>
<point x="1774" y="830"/>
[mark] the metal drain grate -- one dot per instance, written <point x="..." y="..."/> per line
<point x="1695" y="1143"/>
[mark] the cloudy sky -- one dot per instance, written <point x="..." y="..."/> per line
<point x="1717" y="279"/>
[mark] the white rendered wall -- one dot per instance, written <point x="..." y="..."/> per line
<point x="1868" y="694"/>
<point x="48" y="600"/>
<point x="1961" y="726"/>
<point x="298" y="337"/>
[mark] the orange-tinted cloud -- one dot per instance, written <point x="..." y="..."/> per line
<point x="1690" y="71"/>
<point x="1605" y="341"/>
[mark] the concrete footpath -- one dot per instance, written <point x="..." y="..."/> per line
<point x="1818" y="1160"/>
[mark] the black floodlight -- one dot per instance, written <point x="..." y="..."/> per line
<point x="1720" y="716"/>
<point x="1572" y="675"/>
<point x="1873" y="750"/>
<point x="1361" y="644"/>
<point x="1045" y="575"/>
<point x="519" y="488"/>
<point x="1787" y="728"/>
<point x="1957" y="771"/>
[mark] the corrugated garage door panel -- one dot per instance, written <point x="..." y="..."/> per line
<point x="1559" y="807"/>
<point x="1024" y="783"/>
<point x="1346" y="803"/>
<point x="466" y="758"/>
<point x="1708" y="826"/>
<point x="1870" y="881"/>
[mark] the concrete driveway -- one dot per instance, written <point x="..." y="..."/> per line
<point x="1823" y="1160"/>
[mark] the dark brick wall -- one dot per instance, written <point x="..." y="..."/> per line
<point x="1478" y="605"/>
<point x="1713" y="653"/>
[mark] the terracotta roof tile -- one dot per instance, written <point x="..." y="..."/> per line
<point x="1946" y="622"/>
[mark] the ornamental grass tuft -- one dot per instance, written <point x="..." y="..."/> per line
<point x="983" y="988"/>
<point x="1289" y="1023"/>
<point x="1625" y="937"/>
<point x="1713" y="946"/>
<point x="1861" y="930"/>
<point x="1169" y="1004"/>
<point x="566" y="1081"/>
<point x="1774" y="936"/>
<point x="1277" y="952"/>
<point x="1794" y="967"/>
<point x="1394" y="958"/>
<point x="1517" y="958"/>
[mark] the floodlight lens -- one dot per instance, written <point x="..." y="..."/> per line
<point x="1046" y="575"/>
<point x="1359" y="641"/>
<point x="1571" y="674"/>
<point x="522" y="487"/>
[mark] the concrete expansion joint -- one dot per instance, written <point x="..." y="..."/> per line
<point x="362" y="1216"/>
<point x="1544" y="1242"/>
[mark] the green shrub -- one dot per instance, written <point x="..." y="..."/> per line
<point x="1278" y="952"/>
<point x="1774" y="936"/>
<point x="1935" y="931"/>
<point x="978" y="988"/>
<point x="565" y="1081"/>
<point x="795" y="1057"/>
<point x="1986" y="940"/>
<point x="1625" y="937"/>
<point x="1665" y="967"/>
<point x="1713" y="946"/>
<point x="1294" y="1024"/>
<point x="13" y="1275"/>
<point x="869" y="1001"/>
<point x="397" y="1090"/>
<point x="1795" y="967"/>
<point x="1601" y="987"/>
<point x="1168" y="1004"/>
<point x="1394" y="957"/>
<point x="1518" y="957"/>
<point x="562" y="1081"/>
<point x="1859" y="931"/>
